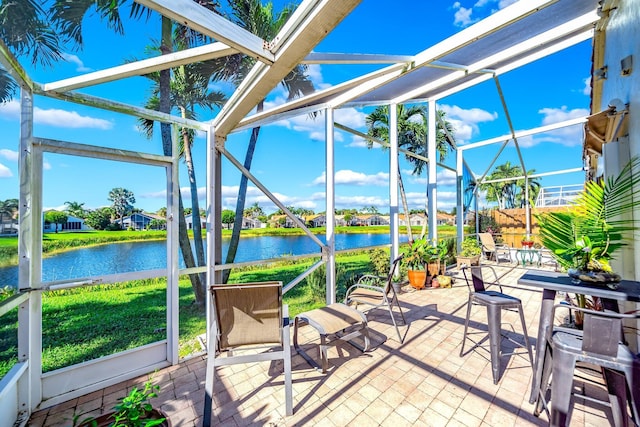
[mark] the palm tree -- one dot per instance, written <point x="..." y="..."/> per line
<point x="502" y="192"/>
<point x="510" y="193"/>
<point x="261" y="20"/>
<point x="69" y="15"/>
<point x="25" y="29"/>
<point x="76" y="209"/>
<point x="123" y="201"/>
<point x="533" y="189"/>
<point x="412" y="135"/>
<point x="188" y="91"/>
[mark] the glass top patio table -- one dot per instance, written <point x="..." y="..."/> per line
<point x="528" y="254"/>
<point x="552" y="282"/>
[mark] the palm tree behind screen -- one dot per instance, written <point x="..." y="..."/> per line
<point x="261" y="20"/>
<point x="412" y="135"/>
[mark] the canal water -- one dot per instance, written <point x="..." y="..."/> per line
<point x="149" y="255"/>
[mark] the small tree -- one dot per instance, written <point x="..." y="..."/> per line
<point x="55" y="217"/>
<point x="99" y="219"/>
<point x="228" y="217"/>
<point x="123" y="201"/>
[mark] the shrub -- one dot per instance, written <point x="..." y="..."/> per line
<point x="317" y="282"/>
<point x="380" y="261"/>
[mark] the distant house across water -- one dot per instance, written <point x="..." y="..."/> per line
<point x="144" y="221"/>
<point x="72" y="224"/>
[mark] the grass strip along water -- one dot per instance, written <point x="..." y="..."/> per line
<point x="87" y="323"/>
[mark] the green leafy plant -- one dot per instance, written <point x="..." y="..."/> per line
<point x="598" y="223"/>
<point x="134" y="410"/>
<point x="470" y="247"/>
<point x="421" y="252"/>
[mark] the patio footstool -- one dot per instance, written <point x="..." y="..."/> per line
<point x="334" y="322"/>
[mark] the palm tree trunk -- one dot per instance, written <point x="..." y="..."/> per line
<point x="405" y="206"/>
<point x="242" y="195"/>
<point x="165" y="131"/>
<point x="195" y="204"/>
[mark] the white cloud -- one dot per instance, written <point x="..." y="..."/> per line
<point x="481" y="8"/>
<point x="5" y="172"/>
<point x="9" y="154"/>
<point x="462" y="16"/>
<point x="55" y="117"/>
<point x="474" y="115"/>
<point x="570" y="136"/>
<point x="314" y="127"/>
<point x="504" y="3"/>
<point x="75" y="60"/>
<point x="349" y="177"/>
<point x="314" y="72"/>
<point x="587" y="86"/>
<point x="444" y="177"/>
<point x="465" y="121"/>
<point x="555" y="115"/>
<point x="68" y="119"/>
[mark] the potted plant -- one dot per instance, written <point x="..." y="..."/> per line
<point x="420" y="254"/>
<point x="527" y="241"/>
<point x="586" y="237"/>
<point x="133" y="410"/>
<point x="470" y="254"/>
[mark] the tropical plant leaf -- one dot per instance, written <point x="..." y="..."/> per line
<point x="601" y="216"/>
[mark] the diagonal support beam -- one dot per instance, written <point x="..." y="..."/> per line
<point x="270" y="195"/>
<point x="201" y="19"/>
<point x="312" y="25"/>
<point x="142" y="67"/>
<point x="299" y="105"/>
<point x="120" y="107"/>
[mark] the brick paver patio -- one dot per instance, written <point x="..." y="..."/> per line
<point x="422" y="382"/>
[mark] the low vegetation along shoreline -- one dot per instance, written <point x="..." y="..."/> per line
<point x="86" y="323"/>
<point x="53" y="243"/>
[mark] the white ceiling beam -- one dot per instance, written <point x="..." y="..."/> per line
<point x="142" y="67"/>
<point x="354" y="58"/>
<point x="585" y="35"/>
<point x="201" y="19"/>
<point x="480" y="66"/>
<point x="296" y="104"/>
<point x="482" y="29"/>
<point x="120" y="107"/>
<point x="311" y="29"/>
<point x="523" y="133"/>
<point x="276" y="117"/>
<point x="477" y="31"/>
<point x="364" y="87"/>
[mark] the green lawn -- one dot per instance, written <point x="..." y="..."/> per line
<point x="83" y="324"/>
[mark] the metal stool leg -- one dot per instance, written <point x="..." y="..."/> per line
<point x="466" y="326"/>
<point x="525" y="335"/>
<point x="561" y="386"/>
<point x="547" y="364"/>
<point x="494" y="319"/>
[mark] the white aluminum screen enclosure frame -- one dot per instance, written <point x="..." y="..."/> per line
<point x="512" y="37"/>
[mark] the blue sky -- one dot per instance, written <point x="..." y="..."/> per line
<point x="290" y="155"/>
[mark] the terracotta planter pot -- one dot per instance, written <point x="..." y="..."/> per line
<point x="433" y="268"/>
<point x="417" y="278"/>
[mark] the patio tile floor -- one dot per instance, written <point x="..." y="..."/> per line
<point x="422" y="382"/>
